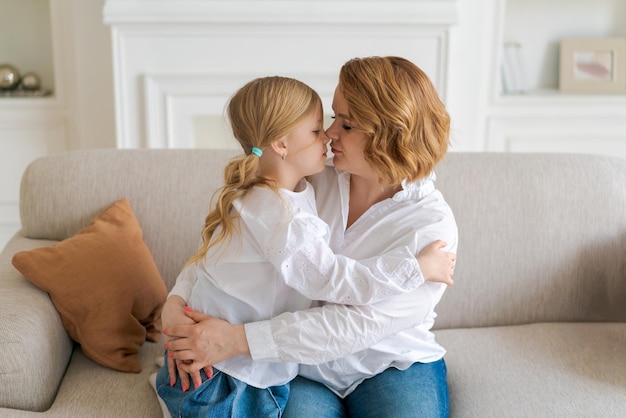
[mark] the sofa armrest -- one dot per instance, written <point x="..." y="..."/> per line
<point x="35" y="347"/>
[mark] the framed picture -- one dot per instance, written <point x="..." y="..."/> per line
<point x="596" y="65"/>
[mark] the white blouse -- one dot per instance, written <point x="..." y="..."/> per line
<point x="280" y="262"/>
<point x="332" y="341"/>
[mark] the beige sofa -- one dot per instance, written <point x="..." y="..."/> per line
<point x="535" y="325"/>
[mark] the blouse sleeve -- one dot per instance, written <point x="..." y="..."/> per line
<point x="184" y="283"/>
<point x="329" y="332"/>
<point x="298" y="249"/>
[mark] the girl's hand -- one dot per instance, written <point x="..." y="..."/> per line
<point x="437" y="265"/>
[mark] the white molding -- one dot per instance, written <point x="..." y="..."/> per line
<point x="171" y="100"/>
<point x="541" y="103"/>
<point x="157" y="43"/>
<point x="434" y="12"/>
<point x="603" y="135"/>
<point x="123" y="136"/>
<point x="136" y="128"/>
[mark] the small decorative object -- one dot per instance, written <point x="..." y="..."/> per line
<point x="596" y="65"/>
<point x="9" y="77"/>
<point x="30" y="81"/>
<point x="513" y="71"/>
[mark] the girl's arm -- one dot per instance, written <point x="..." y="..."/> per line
<point x="299" y="250"/>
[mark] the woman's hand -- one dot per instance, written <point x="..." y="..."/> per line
<point x="207" y="341"/>
<point x="437" y="265"/>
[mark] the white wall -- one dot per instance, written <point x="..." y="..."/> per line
<point x="468" y="85"/>
<point x="95" y="121"/>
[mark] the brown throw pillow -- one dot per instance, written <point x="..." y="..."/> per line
<point x="106" y="286"/>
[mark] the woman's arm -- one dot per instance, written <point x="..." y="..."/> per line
<point x="312" y="336"/>
<point x="332" y="331"/>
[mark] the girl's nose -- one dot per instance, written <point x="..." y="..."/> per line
<point x="328" y="133"/>
<point x="329" y="130"/>
<point x="325" y="138"/>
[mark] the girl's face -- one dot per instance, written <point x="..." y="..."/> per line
<point x="347" y="143"/>
<point x="307" y="145"/>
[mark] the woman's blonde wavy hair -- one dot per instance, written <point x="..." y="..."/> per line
<point x="262" y="111"/>
<point x="393" y="101"/>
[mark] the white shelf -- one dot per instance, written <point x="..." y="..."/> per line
<point x="543" y="119"/>
<point x="539" y="25"/>
<point x="542" y="98"/>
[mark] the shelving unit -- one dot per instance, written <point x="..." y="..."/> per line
<point x="31" y="40"/>
<point x="26" y="41"/>
<point x="543" y="119"/>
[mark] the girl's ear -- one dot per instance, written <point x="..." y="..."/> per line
<point x="279" y="146"/>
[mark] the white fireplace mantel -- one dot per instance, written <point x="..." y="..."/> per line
<point x="286" y="11"/>
<point x="177" y="62"/>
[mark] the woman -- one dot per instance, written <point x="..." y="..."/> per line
<point x="389" y="132"/>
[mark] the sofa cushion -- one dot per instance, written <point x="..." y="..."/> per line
<point x="537" y="370"/>
<point x="105" y="285"/>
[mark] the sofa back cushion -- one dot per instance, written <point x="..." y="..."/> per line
<point x="169" y="191"/>
<point x="542" y="237"/>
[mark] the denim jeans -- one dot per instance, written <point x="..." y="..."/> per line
<point x="419" y="391"/>
<point x="222" y="396"/>
<point x="310" y="399"/>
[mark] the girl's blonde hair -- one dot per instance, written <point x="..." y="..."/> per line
<point x="393" y="101"/>
<point x="259" y="113"/>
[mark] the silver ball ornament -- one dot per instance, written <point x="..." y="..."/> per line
<point x="31" y="81"/>
<point x="9" y="77"/>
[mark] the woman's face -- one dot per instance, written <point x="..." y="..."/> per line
<point x="347" y="143"/>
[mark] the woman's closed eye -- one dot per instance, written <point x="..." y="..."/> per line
<point x="344" y="125"/>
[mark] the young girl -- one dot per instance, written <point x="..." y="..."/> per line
<point x="265" y="251"/>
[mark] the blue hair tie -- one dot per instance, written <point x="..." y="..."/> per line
<point x="257" y="151"/>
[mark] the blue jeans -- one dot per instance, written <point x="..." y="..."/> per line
<point x="310" y="399"/>
<point x="419" y="391"/>
<point x="222" y="396"/>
